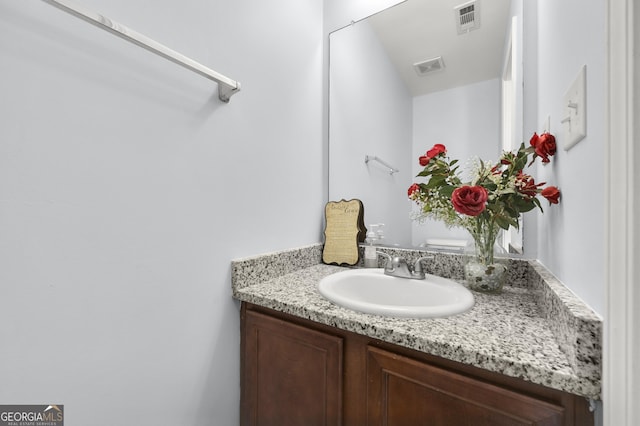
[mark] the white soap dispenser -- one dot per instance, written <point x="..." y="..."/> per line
<point x="370" y="255"/>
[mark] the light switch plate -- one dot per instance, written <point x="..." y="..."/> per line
<point x="574" y="110"/>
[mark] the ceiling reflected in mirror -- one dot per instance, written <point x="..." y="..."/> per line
<point x="416" y="32"/>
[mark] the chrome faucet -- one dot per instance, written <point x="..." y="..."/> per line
<point x="398" y="267"/>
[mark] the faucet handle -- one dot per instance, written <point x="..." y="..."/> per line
<point x="417" y="266"/>
<point x="386" y="256"/>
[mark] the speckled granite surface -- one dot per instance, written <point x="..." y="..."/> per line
<point x="536" y="329"/>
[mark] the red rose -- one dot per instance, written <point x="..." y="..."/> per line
<point x="552" y="194"/>
<point x="433" y="152"/>
<point x="413" y="188"/>
<point x="544" y="145"/>
<point x="436" y="150"/>
<point x="526" y="185"/>
<point x="469" y="200"/>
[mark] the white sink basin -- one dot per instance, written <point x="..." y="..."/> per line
<point x="373" y="292"/>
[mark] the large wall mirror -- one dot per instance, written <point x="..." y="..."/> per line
<point x="407" y="78"/>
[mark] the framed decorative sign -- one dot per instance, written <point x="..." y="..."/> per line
<point x="344" y="228"/>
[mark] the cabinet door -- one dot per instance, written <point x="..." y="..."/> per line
<point x="403" y="391"/>
<point x="292" y="375"/>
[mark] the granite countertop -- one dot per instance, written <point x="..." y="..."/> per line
<point x="555" y="345"/>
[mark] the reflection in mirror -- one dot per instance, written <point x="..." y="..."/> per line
<point x="381" y="105"/>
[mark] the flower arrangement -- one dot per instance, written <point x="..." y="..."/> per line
<point x="494" y="197"/>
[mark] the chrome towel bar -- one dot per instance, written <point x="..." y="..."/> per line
<point x="226" y="86"/>
<point x="368" y="158"/>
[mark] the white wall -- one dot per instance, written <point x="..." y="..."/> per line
<point x="370" y="114"/>
<point x="126" y="188"/>
<point x="466" y="120"/>
<point x="570" y="236"/>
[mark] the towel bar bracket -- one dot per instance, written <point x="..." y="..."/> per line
<point x="225" y="91"/>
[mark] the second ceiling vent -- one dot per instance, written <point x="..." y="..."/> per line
<point x="429" y="66"/>
<point x="467" y="16"/>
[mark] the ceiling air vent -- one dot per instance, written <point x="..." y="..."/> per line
<point x="468" y="16"/>
<point x="429" y="66"/>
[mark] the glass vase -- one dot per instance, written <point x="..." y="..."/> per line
<point x="485" y="262"/>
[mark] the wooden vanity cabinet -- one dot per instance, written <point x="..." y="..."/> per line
<point x="300" y="373"/>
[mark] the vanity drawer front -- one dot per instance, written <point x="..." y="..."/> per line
<point x="403" y="391"/>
